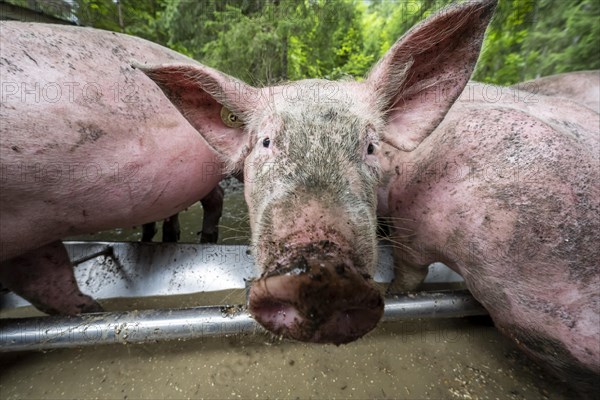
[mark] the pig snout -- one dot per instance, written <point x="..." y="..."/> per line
<point x="315" y="294"/>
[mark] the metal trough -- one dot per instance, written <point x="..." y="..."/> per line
<point x="132" y="270"/>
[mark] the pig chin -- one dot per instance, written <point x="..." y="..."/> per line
<point x="315" y="292"/>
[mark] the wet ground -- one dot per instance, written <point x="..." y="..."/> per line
<point x="446" y="359"/>
<point x="435" y="359"/>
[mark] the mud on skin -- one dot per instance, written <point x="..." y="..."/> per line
<point x="316" y="165"/>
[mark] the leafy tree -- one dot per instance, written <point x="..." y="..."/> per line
<point x="144" y="18"/>
<point x="235" y="36"/>
<point x="503" y="59"/>
<point x="136" y="17"/>
<point x="264" y="41"/>
<point x="247" y="46"/>
<point x="327" y="40"/>
<point x="103" y="14"/>
<point x="565" y="37"/>
<point x="386" y="21"/>
<point x="533" y="38"/>
<point x="267" y="41"/>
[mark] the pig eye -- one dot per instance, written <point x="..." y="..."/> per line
<point x="266" y="143"/>
<point x="230" y="119"/>
<point x="370" y="148"/>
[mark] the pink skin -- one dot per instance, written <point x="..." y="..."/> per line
<point x="45" y="278"/>
<point x="339" y="232"/>
<point x="501" y="190"/>
<point x="73" y="165"/>
<point x="322" y="234"/>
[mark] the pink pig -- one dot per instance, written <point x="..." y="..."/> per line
<point x="88" y="143"/>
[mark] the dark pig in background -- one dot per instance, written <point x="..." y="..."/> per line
<point x="212" y="204"/>
<point x="88" y="143"/>
<point x="504" y="190"/>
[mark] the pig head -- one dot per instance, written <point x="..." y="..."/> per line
<point x="310" y="153"/>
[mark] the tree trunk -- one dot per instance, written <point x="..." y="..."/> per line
<point x="120" y="14"/>
<point x="284" y="57"/>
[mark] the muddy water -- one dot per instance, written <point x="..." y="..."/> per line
<point x="439" y="359"/>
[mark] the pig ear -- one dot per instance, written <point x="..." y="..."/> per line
<point x="421" y="76"/>
<point x="200" y="93"/>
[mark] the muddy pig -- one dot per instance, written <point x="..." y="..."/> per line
<point x="500" y="185"/>
<point x="88" y="143"/>
<point x="310" y="156"/>
<point x="505" y="192"/>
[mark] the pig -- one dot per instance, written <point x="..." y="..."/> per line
<point x="87" y="143"/>
<point x="415" y="143"/>
<point x="310" y="156"/>
<point x="170" y="230"/>
<point x="504" y="191"/>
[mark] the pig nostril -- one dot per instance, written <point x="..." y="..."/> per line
<point x="370" y="148"/>
<point x="330" y="316"/>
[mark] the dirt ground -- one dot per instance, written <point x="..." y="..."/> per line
<point x="436" y="359"/>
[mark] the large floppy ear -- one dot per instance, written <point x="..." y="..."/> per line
<point x="420" y="77"/>
<point x="215" y="104"/>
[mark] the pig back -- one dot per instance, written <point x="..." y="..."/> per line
<point x="582" y="87"/>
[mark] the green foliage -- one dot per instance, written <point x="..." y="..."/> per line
<point x="274" y="40"/>
<point x="503" y="58"/>
<point x="533" y="38"/>
<point x="141" y="18"/>
<point x="101" y="14"/>
<point x="238" y="38"/>
<point x="57" y="8"/>
<point x="264" y="41"/>
<point x="326" y="40"/>
<point x="250" y="48"/>
<point x="386" y="21"/>
<point x="566" y="39"/>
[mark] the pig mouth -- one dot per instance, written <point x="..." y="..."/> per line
<point x="315" y="294"/>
